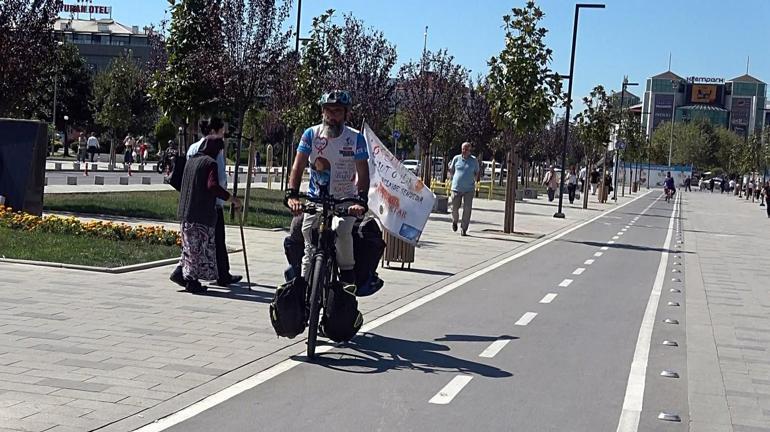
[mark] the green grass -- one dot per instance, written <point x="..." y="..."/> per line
<point x="81" y="250"/>
<point x="266" y="208"/>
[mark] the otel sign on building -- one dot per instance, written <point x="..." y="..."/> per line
<point x="86" y="6"/>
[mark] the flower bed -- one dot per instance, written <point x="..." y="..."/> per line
<point x="70" y="225"/>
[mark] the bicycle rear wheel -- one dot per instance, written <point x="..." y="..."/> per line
<point x="318" y="283"/>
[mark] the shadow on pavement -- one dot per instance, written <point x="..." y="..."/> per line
<point x="473" y="338"/>
<point x="371" y="353"/>
<point x="240" y="292"/>
<point x="627" y="246"/>
<point x="421" y="271"/>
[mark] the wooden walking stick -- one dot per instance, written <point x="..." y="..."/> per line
<point x="244" y="211"/>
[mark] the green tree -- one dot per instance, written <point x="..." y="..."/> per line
<point x="432" y="90"/>
<point x="523" y="89"/>
<point x="165" y="131"/>
<point x="27" y="45"/>
<point x="594" y="126"/>
<point x="183" y="89"/>
<point x="121" y="104"/>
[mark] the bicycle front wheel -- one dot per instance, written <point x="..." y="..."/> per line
<point x="318" y="284"/>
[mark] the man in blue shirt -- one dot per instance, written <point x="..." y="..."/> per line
<point x="464" y="170"/>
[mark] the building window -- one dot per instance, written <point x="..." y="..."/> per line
<point x="96" y="39"/>
<point x="119" y="40"/>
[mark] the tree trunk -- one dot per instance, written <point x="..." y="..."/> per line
<point x="510" y="193"/>
<point x="587" y="184"/>
<point x="426" y="165"/>
<point x="602" y="187"/>
<point x="444" y="167"/>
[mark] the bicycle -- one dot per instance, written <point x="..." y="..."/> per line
<point x="323" y="266"/>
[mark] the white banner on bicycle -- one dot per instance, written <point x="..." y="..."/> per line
<point x="397" y="197"/>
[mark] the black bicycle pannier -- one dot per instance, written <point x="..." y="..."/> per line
<point x="341" y="319"/>
<point x="287" y="311"/>
<point x="368" y="247"/>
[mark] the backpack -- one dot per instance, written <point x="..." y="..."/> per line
<point x="177" y="172"/>
<point x="368" y="247"/>
<point x="341" y="318"/>
<point x="287" y="311"/>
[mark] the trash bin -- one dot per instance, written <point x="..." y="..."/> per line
<point x="397" y="250"/>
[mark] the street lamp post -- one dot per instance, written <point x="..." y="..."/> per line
<point x="559" y="214"/>
<point x="59" y="44"/>
<point x="620" y="131"/>
<point x="675" y="87"/>
<point x="64" y="136"/>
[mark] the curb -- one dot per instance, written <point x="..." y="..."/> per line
<point x="108" y="270"/>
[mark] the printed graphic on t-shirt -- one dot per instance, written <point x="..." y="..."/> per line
<point x="333" y="160"/>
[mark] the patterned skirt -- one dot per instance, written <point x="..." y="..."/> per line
<point x="199" y="254"/>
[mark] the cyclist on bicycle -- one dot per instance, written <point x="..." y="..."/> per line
<point x="669" y="186"/>
<point x="339" y="167"/>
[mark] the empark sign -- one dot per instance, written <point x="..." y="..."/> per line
<point x="705" y="80"/>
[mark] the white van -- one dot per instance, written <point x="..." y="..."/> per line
<point x="487" y="166"/>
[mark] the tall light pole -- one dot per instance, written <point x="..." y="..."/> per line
<point x="675" y="88"/>
<point x="578" y="6"/>
<point x="620" y="132"/>
<point x="59" y="44"/>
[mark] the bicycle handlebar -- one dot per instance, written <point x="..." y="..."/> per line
<point x="330" y="201"/>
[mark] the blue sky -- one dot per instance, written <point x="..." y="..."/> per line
<point x="629" y="37"/>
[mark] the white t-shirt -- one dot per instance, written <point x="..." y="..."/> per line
<point x="93" y="142"/>
<point x="340" y="154"/>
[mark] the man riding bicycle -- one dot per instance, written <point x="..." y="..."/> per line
<point x="669" y="186"/>
<point x="339" y="167"/>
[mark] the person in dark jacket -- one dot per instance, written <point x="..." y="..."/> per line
<point x="197" y="213"/>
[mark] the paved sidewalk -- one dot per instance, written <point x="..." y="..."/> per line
<point x="83" y="351"/>
<point x="728" y="313"/>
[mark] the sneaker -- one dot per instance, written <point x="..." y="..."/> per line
<point x="454" y="226"/>
<point x="233" y="279"/>
<point x="349" y="287"/>
<point x="464" y="234"/>
<point x="195" y="287"/>
<point x="177" y="278"/>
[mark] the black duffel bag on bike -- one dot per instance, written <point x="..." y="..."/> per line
<point x="287" y="311"/>
<point x="341" y="318"/>
<point x="368" y="247"/>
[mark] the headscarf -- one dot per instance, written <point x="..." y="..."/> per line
<point x="211" y="146"/>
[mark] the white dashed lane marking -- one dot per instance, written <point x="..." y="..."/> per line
<point x="578" y="271"/>
<point x="495" y="348"/>
<point x="446" y="394"/>
<point x="565" y="283"/>
<point x="526" y="319"/>
<point x="598" y="254"/>
<point x="589" y="262"/>
<point x="604" y="248"/>
<point x="548" y="298"/>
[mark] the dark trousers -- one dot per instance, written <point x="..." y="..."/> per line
<point x="551" y="194"/>
<point x="223" y="263"/>
<point x="571" y="192"/>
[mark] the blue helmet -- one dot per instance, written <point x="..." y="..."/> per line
<point x="336" y="97"/>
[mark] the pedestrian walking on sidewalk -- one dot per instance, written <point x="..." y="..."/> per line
<point x="594" y="181"/>
<point x="464" y="173"/>
<point x="750" y="190"/>
<point x="198" y="214"/>
<point x="551" y="182"/>
<point x="81" y="149"/>
<point x="92" y="145"/>
<point x="224" y="277"/>
<point x="687" y="182"/>
<point x="571" y="184"/>
<point x="582" y="178"/>
<point x="128" y="155"/>
<point x="767" y="195"/>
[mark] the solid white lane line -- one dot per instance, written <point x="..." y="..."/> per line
<point x="634" y="399"/>
<point x="565" y="283"/>
<point x="579" y="271"/>
<point x="588" y="262"/>
<point x="495" y="348"/>
<point x="604" y="248"/>
<point x="253" y="381"/>
<point x="446" y="394"/>
<point x="526" y="319"/>
<point x="548" y="298"/>
<point x="598" y="254"/>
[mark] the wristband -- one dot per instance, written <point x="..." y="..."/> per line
<point x="292" y="193"/>
<point x="364" y="196"/>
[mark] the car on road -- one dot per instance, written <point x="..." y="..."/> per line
<point x="487" y="170"/>
<point x="412" y="165"/>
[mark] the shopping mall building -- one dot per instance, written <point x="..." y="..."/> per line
<point x="738" y="104"/>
